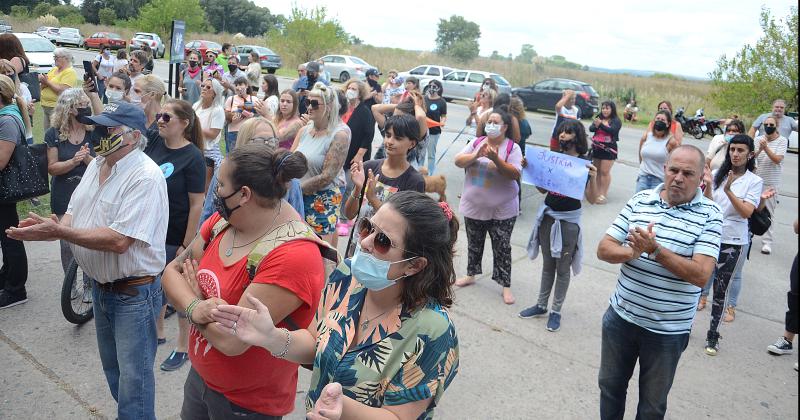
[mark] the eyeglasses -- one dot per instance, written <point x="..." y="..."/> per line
<point x="269" y="141"/>
<point x="163" y="116"/>
<point x="312" y="103"/>
<point x="381" y="243"/>
<point x="769" y="125"/>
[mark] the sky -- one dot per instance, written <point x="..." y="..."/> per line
<point x="678" y="37"/>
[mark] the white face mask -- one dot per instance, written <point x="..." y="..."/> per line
<point x="114" y="95"/>
<point x="492" y="129"/>
<point x="351" y="94"/>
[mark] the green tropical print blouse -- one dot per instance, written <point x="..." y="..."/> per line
<point x="408" y="357"/>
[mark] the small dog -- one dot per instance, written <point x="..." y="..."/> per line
<point x="434" y="184"/>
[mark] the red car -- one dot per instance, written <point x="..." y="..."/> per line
<point x="201" y="46"/>
<point x="110" y="39"/>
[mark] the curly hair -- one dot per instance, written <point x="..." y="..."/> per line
<point x="62" y="119"/>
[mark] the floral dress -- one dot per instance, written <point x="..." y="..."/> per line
<point x="408" y="357"/>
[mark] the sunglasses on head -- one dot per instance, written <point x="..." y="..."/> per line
<point x="163" y="116"/>
<point x="381" y="244"/>
<point x="312" y="103"/>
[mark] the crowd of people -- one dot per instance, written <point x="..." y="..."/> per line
<point x="258" y="184"/>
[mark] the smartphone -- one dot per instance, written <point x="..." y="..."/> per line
<point x="89" y="74"/>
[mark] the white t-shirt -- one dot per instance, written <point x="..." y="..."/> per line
<point x="768" y="170"/>
<point x="565" y="114"/>
<point x="734" y="227"/>
<point x="107" y="65"/>
<point x="717" y="150"/>
<point x="119" y="64"/>
<point x="213" y="117"/>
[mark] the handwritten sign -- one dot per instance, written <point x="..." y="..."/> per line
<point x="555" y="172"/>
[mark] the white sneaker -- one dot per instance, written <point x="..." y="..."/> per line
<point x="766" y="249"/>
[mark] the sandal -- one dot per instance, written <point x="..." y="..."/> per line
<point x="702" y="303"/>
<point x="601" y="200"/>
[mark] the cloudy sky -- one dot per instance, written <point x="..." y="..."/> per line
<point x="680" y="37"/>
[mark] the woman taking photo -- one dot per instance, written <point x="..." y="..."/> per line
<point x="178" y="151"/>
<point x="382" y="320"/>
<point x="737" y="190"/>
<point x="190" y="78"/>
<point x="770" y="150"/>
<point x="238" y="108"/>
<point x="288" y="119"/>
<point x="324" y="143"/>
<point x="493" y="164"/>
<point x="654" y="148"/>
<point x="604" y="146"/>
<point x="118" y="88"/>
<point x="566" y="212"/>
<point x="228" y="377"/>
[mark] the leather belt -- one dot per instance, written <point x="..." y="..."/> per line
<point x="126" y="286"/>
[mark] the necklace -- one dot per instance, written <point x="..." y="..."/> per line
<point x="367" y="322"/>
<point x="229" y="251"/>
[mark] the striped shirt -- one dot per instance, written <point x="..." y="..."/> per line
<point x="133" y="202"/>
<point x="647" y="294"/>
<point x="768" y="170"/>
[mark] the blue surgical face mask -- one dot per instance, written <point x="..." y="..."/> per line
<point x="371" y="272"/>
<point x="729" y="137"/>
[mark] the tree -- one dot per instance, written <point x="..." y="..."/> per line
<point x="67" y="14"/>
<point x="758" y="74"/>
<point x="126" y="9"/>
<point x="238" y="16"/>
<point x="527" y="54"/>
<point x="19" y="11"/>
<point x="157" y="16"/>
<point x="91" y="8"/>
<point x="106" y="16"/>
<point x="308" y="34"/>
<point x="458" y="38"/>
<point x="496" y="56"/>
<point x="41" y="9"/>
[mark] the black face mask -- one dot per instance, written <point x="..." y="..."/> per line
<point x="222" y="208"/>
<point x="660" y="126"/>
<point x="83" y="114"/>
<point x="565" y="144"/>
<point x="769" y="130"/>
<point x="193" y="64"/>
<point x="232" y="68"/>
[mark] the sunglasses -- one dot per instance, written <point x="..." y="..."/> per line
<point x="312" y="103"/>
<point x="769" y="125"/>
<point x="163" y="116"/>
<point x="382" y="243"/>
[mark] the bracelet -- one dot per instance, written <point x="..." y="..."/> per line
<point x="282" y="354"/>
<point x="190" y="309"/>
<point x="655" y="253"/>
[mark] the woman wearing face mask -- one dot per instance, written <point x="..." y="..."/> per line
<point x="770" y="150"/>
<point x="103" y="66"/>
<point x="178" y="151"/>
<point x="69" y="151"/>
<point x="190" y="78"/>
<point x="382" y="321"/>
<point x="557" y="231"/>
<point x="256" y="245"/>
<point x="493" y="164"/>
<point x="675" y="129"/>
<point x="288" y="119"/>
<point x="148" y="92"/>
<point x="238" y="108"/>
<point x="604" y="145"/>
<point x="737" y="190"/>
<point x="118" y="87"/>
<point x="718" y="147"/>
<point x="393" y="88"/>
<point x="436" y="110"/>
<point x="210" y="113"/>
<point x="482" y="108"/>
<point x="654" y="149"/>
<point x="500" y="100"/>
<point x="269" y="97"/>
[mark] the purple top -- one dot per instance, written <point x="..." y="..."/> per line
<point x="487" y="194"/>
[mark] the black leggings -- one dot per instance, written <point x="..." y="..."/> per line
<point x="726" y="266"/>
<point x="14" y="273"/>
<point x="792" y="315"/>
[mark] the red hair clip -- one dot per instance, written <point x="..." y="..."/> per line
<point x="448" y="212"/>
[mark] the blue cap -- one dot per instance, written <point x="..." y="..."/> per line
<point x="121" y="113"/>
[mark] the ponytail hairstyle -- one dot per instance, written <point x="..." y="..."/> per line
<point x="8" y="89"/>
<point x="431" y="235"/>
<point x="330" y="103"/>
<point x="265" y="170"/>
<point x="152" y="84"/>
<point x="723" y="170"/>
<point x="193" y="131"/>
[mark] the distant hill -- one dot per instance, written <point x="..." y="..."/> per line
<point x="641" y="73"/>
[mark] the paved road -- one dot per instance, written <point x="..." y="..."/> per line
<point x="510" y="368"/>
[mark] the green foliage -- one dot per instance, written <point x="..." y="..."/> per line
<point x="458" y="38"/>
<point x="41" y="9"/>
<point x="758" y="74"/>
<point x="157" y="16"/>
<point x="526" y="55"/>
<point x="19" y="11"/>
<point x="125" y="9"/>
<point x="496" y="56"/>
<point x="561" y="61"/>
<point x="107" y="16"/>
<point x="308" y="34"/>
<point x="238" y="16"/>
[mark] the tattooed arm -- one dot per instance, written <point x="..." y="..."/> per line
<point x="334" y="160"/>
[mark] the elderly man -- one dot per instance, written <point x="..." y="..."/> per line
<point x="785" y="124"/>
<point x="667" y="240"/>
<point x="116" y="225"/>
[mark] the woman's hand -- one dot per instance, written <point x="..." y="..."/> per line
<point x="252" y="326"/>
<point x="729" y="181"/>
<point x="330" y="403"/>
<point x="371" y="181"/>
<point x="707" y="176"/>
<point x="80" y="155"/>
<point x="246" y="113"/>
<point x="767" y="193"/>
<point x="262" y="109"/>
<point x="201" y="314"/>
<point x="357" y="174"/>
<point x="190" y="275"/>
<point x="237" y="115"/>
<point x="481" y="152"/>
<point x="491" y="152"/>
<point x="592" y="171"/>
<point x="303" y="120"/>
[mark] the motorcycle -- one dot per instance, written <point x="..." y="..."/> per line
<point x="700" y="128"/>
<point x="695" y="125"/>
<point x="714" y="127"/>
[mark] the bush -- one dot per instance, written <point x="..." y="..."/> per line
<point x="47" y="20"/>
<point x="19" y="11"/>
<point x="73" y="19"/>
<point x="106" y="16"/>
<point x="41" y="9"/>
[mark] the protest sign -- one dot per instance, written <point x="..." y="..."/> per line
<point x="555" y="172"/>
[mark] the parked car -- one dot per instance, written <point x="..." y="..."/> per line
<point x="793" y="135"/>
<point x="545" y="94"/>
<point x="5" y="26"/>
<point x="465" y="84"/>
<point x="39" y="51"/>
<point x="427" y="72"/>
<point x="344" y="67"/>
<point x="152" y="40"/>
<point x="109" y="39"/>
<point x="69" y="36"/>
<point x="201" y="46"/>
<point x="49" y="32"/>
<point x="268" y="59"/>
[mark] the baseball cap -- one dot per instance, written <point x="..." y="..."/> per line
<point x="312" y="66"/>
<point x="372" y="72"/>
<point x="121" y="113"/>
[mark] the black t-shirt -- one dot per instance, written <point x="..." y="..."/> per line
<point x="434" y="109"/>
<point x="362" y="128"/>
<point x="410" y="180"/>
<point x="62" y="186"/>
<point x="373" y="87"/>
<point x="560" y="202"/>
<point x="185" y="171"/>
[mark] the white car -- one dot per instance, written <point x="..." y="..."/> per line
<point x="425" y="73"/>
<point x="69" y="36"/>
<point x="465" y="84"/>
<point x="152" y="40"/>
<point x="39" y="51"/>
<point x="344" y="67"/>
<point x="49" y="32"/>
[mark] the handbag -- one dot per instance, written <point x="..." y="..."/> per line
<point x="32" y="80"/>
<point x="760" y="221"/>
<point x="22" y="178"/>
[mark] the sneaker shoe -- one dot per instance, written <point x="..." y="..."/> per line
<point x="554" y="322"/>
<point x="780" y="347"/>
<point x="175" y="360"/>
<point x="533" y="311"/>
<point x="702" y="303"/>
<point x="766" y="249"/>
<point x="795" y="366"/>
<point x="730" y="314"/>
<point x="712" y="343"/>
<point x="8" y="300"/>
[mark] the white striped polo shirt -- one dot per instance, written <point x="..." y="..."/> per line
<point x="647" y="294"/>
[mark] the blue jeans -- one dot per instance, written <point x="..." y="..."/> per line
<point x="658" y="354"/>
<point x="647" y="182"/>
<point x="433" y="139"/>
<point x="126" y="338"/>
<point x="736" y="281"/>
<point x="230" y="141"/>
<point x="101" y="90"/>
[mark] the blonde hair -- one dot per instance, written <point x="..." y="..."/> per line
<point x="8" y="92"/>
<point x="363" y="93"/>
<point x="248" y="129"/>
<point x="152" y="84"/>
<point x="61" y="119"/>
<point x="329" y="98"/>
